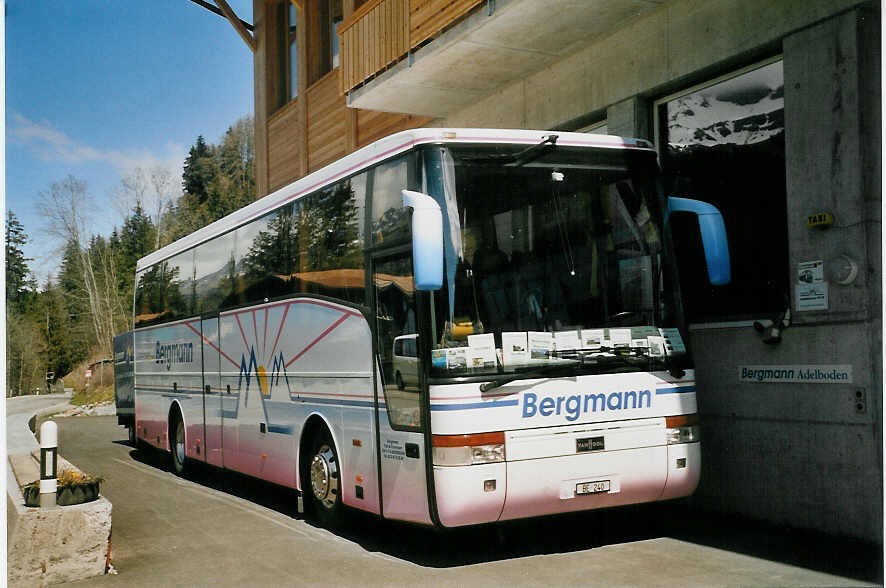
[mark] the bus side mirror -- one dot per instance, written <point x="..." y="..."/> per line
<point x="427" y="240"/>
<point x="713" y="236"/>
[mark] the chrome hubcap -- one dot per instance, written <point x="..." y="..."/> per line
<point x="324" y="476"/>
<point x="180" y="442"/>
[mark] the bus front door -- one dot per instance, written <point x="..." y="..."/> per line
<point x="398" y="400"/>
<point x="212" y="392"/>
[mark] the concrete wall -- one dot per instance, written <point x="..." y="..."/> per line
<point x="683" y="42"/>
<point x="797" y="454"/>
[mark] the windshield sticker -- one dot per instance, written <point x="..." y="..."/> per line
<point x="620" y="337"/>
<point x="656" y="346"/>
<point x="567" y="340"/>
<point x="477" y="353"/>
<point x="591" y="338"/>
<point x="514" y="350"/>
<point x="673" y="340"/>
<point x="456" y="358"/>
<point x="481" y="350"/>
<point x="540" y="344"/>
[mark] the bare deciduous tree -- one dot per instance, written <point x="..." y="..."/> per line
<point x="25" y="355"/>
<point x="65" y="208"/>
<point x="152" y="189"/>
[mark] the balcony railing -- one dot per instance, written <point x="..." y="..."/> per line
<point x="382" y="32"/>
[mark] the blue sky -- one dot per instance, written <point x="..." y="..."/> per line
<point x="96" y="88"/>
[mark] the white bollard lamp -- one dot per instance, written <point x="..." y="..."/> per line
<point x="48" y="463"/>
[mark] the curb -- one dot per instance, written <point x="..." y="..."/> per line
<point x="53" y="545"/>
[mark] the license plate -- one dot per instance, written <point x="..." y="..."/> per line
<point x="592" y="487"/>
<point x="589" y="444"/>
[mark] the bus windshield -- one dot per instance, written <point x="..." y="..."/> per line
<point x="554" y="262"/>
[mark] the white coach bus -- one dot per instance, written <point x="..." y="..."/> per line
<point x="533" y="272"/>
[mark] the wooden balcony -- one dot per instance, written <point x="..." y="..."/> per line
<point x="382" y="32"/>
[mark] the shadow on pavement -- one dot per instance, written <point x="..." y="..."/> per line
<point x="560" y="534"/>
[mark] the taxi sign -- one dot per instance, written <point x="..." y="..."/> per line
<point x="821" y="219"/>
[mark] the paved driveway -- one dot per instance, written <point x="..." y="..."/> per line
<point x="222" y="529"/>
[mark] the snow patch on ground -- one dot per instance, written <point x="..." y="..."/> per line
<point x="96" y="409"/>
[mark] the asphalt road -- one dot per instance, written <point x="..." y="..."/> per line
<point x="218" y="528"/>
<point x="18" y="412"/>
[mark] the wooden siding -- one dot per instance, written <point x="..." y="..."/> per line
<point x="326" y="121"/>
<point x="382" y="32"/>
<point x="429" y="17"/>
<point x="284" y="146"/>
<point x="373" y="125"/>
<point x="373" y="37"/>
<point x="325" y="138"/>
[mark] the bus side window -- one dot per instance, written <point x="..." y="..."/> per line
<point x="263" y="253"/>
<point x="328" y="242"/>
<point x="180" y="297"/>
<point x="390" y="219"/>
<point x="395" y="331"/>
<point x="214" y="275"/>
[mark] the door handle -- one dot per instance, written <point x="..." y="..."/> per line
<point x="412" y="450"/>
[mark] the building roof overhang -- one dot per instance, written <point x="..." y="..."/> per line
<point x="496" y="45"/>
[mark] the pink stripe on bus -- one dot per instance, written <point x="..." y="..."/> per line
<point x="321" y="336"/>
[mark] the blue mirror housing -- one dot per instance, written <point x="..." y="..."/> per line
<point x="713" y="236"/>
<point x="427" y="240"/>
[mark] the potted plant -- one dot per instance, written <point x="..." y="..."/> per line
<point x="74" y="487"/>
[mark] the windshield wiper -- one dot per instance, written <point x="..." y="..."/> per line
<point x="521" y="157"/>
<point x="585" y="360"/>
<point x="528" y="374"/>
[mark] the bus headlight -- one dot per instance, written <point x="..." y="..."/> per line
<point x="462" y="450"/>
<point x="682" y="429"/>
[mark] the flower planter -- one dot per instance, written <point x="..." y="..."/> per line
<point x="64" y="495"/>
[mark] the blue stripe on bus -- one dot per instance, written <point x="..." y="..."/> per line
<point x="306" y="400"/>
<point x="493" y="404"/>
<point x="163" y="390"/>
<point x="678" y="390"/>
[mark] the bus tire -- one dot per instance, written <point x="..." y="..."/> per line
<point x="324" y="480"/>
<point x="132" y="437"/>
<point x="177" y="442"/>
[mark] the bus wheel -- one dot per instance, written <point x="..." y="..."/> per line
<point x="325" y="481"/>
<point x="132" y="438"/>
<point x="178" y="443"/>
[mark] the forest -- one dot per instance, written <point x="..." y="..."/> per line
<point x="66" y="321"/>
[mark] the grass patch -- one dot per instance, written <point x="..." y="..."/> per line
<point x="93" y="396"/>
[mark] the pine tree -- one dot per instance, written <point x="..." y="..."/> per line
<point x="135" y="240"/>
<point x="200" y="170"/>
<point x="19" y="283"/>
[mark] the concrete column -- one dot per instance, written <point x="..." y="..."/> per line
<point x="826" y="166"/>
<point x="630" y="118"/>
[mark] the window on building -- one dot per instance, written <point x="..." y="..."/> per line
<point x="324" y="19"/>
<point x="723" y="143"/>
<point x="335" y="18"/>
<point x="291" y="52"/>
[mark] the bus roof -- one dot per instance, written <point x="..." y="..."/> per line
<point x="370" y="155"/>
